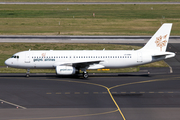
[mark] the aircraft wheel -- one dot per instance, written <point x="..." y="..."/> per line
<point x="85" y="75"/>
<point x="28" y="72"/>
<point x="27" y="75"/>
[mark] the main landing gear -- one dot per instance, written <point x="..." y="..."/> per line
<point x="85" y="75"/>
<point x="27" y="73"/>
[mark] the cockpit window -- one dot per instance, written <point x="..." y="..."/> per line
<point x="14" y="56"/>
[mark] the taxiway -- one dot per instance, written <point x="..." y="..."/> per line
<point x="110" y="97"/>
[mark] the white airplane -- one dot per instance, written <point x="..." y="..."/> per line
<point x="69" y="62"/>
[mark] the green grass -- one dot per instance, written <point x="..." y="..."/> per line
<point x="108" y="20"/>
<point x="85" y="11"/>
<point x="8" y="49"/>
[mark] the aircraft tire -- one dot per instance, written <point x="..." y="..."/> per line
<point x="85" y="75"/>
<point x="27" y="75"/>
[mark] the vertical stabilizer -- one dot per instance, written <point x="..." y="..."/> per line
<point x="159" y="40"/>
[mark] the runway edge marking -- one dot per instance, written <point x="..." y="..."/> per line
<point x="13" y="104"/>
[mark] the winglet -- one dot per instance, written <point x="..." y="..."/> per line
<point x="159" y="40"/>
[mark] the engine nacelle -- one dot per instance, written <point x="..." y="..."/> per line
<point x="65" y="70"/>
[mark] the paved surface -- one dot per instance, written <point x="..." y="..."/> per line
<point x="80" y="39"/>
<point x="89" y="3"/>
<point x="130" y="96"/>
<point x="49" y="97"/>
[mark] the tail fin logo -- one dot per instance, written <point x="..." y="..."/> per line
<point x="161" y="41"/>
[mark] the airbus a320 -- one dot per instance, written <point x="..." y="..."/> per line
<point x="70" y="62"/>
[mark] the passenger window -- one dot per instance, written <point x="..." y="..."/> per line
<point x="17" y="57"/>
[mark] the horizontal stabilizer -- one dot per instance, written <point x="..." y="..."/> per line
<point x="164" y="55"/>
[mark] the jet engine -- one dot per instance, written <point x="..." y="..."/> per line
<point x="65" y="70"/>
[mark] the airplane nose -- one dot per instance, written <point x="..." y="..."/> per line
<point x="7" y="62"/>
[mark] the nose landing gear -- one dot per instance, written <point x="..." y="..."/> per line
<point x="27" y="73"/>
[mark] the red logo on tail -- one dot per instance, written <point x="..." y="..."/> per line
<point x="161" y="41"/>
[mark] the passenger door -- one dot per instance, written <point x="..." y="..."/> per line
<point x="27" y="58"/>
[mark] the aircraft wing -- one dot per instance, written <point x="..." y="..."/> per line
<point x="90" y="64"/>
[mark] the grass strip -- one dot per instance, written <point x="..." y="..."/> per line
<point x="79" y="20"/>
<point x="88" y="1"/>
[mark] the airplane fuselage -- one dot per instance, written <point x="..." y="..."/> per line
<point x="52" y="58"/>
